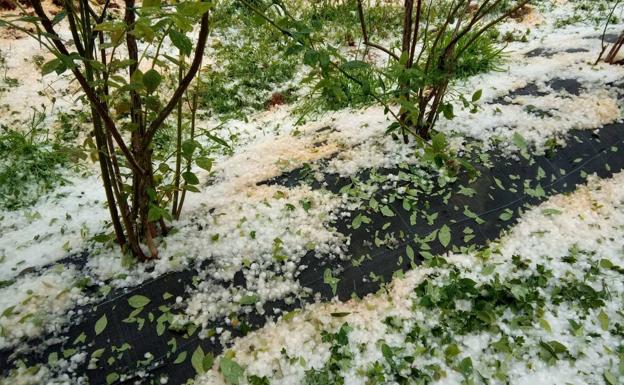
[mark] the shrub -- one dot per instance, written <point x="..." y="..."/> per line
<point x="127" y="102"/>
<point x="440" y="41"/>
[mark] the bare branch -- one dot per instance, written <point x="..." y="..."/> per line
<point x="416" y="33"/>
<point x="365" y="33"/>
<point x="493" y="23"/>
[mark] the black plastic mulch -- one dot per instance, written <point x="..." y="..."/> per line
<point x="126" y="345"/>
<point x="139" y="345"/>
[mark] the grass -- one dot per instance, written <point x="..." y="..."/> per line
<point x="30" y="168"/>
<point x="481" y="57"/>
<point x="595" y="11"/>
<point x="341" y="23"/>
<point x="248" y="46"/>
<point x="251" y="72"/>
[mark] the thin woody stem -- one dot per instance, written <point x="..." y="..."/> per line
<point x="84" y="84"/>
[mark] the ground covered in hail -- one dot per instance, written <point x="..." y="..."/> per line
<point x="300" y="206"/>
<point x="542" y="305"/>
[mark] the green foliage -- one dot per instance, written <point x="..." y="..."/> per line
<point x="517" y="300"/>
<point x="335" y="91"/>
<point x="480" y="57"/>
<point x="100" y="325"/>
<point x="339" y="21"/>
<point x="339" y="359"/>
<point x="595" y="11"/>
<point x="200" y="361"/>
<point x="130" y="99"/>
<point x="244" y="49"/>
<point x="446" y="49"/>
<point x="231" y="370"/>
<point x="247" y="45"/>
<point x="30" y="168"/>
<point x="69" y="126"/>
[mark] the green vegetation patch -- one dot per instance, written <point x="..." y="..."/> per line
<point x="29" y="168"/>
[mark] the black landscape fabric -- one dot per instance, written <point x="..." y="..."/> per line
<point x="148" y="351"/>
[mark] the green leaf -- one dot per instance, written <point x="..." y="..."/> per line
<point x="190" y="178"/>
<point x="181" y="42"/>
<point x="191" y="188"/>
<point x="603" y="318"/>
<point x="249" y="300"/>
<point x="545" y="325"/>
<point x="204" y="163"/>
<point x="472" y="215"/>
<point x="558" y="347"/>
<point x="439" y="142"/>
<point x="329" y="279"/>
<point x="477" y="95"/>
<point x="100" y="325"/>
<point x="387" y="211"/>
<point x="188" y="147"/>
<point x="8" y="311"/>
<point x="354" y="64"/>
<point x="193" y="8"/>
<point x="444" y="235"/>
<point x="51" y="66"/>
<point x="80" y="339"/>
<point x="143" y="30"/>
<point x="59" y="17"/>
<point x="215" y="138"/>
<point x="102" y="238"/>
<point x="180" y="358"/>
<point x="232" y="371"/>
<point x="197" y="360"/>
<point x="606" y="264"/>
<point x="506" y="215"/>
<point x="98" y="353"/>
<point x="151" y="3"/>
<point x="290" y="315"/>
<point x="488" y="269"/>
<point x="610" y="379"/>
<point x="151" y="80"/>
<point x="138" y="301"/>
<point x="551" y="350"/>
<point x="410" y="252"/>
<point x="324" y="59"/>
<point x="69" y="352"/>
<point x="154" y="214"/>
<point x="52" y="358"/>
<point x="112" y="377"/>
<point x="310" y="57"/>
<point x="447" y="111"/>
<point x="208" y="361"/>
<point x="388" y="354"/>
<point x="110" y="26"/>
<point x="467" y="191"/>
<point x="519" y="141"/>
<point x="551" y="212"/>
<point x="465" y="366"/>
<point x="451" y="351"/>
<point x="358" y="220"/>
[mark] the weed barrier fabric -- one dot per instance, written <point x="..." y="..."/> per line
<point x="147" y="349"/>
<point x="585" y="153"/>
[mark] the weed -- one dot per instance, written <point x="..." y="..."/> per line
<point x="29" y="168"/>
<point x="247" y="49"/>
